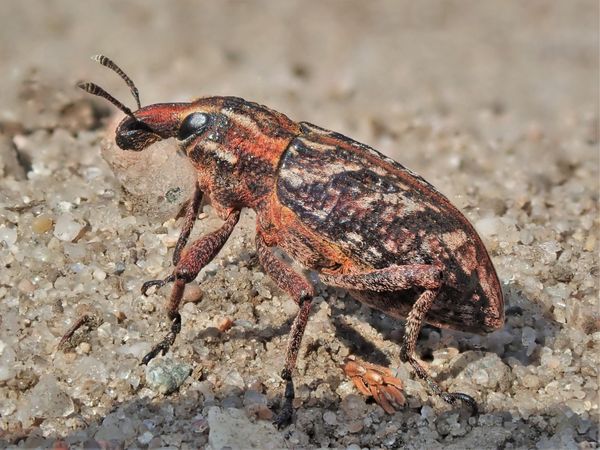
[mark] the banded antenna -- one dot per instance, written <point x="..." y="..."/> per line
<point x="107" y="62"/>
<point x="94" y="89"/>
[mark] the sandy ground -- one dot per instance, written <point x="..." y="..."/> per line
<point x="495" y="103"/>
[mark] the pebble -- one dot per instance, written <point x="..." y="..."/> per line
<point x="167" y="375"/>
<point x="329" y="418"/>
<point x="193" y="293"/>
<point x="84" y="348"/>
<point x="531" y="381"/>
<point x="199" y="424"/>
<point x="488" y="371"/>
<point x="67" y="228"/>
<point x="46" y="400"/>
<point x="488" y="226"/>
<point x="99" y="274"/>
<point x="234" y="379"/>
<point x="231" y="428"/>
<point x="26" y="286"/>
<point x="253" y="398"/>
<point x="428" y="413"/>
<point x="353" y="406"/>
<point x="145" y="438"/>
<point x="225" y="324"/>
<point x="41" y="224"/>
<point x="159" y="172"/>
<point x="355" y="426"/>
<point x="528" y="339"/>
<point x="549" y="360"/>
<point x="8" y="235"/>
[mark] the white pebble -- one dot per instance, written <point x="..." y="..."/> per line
<point x="145" y="438"/>
<point x="67" y="228"/>
<point x="550" y="250"/>
<point x="488" y="226"/>
<point x="99" y="274"/>
<point x="481" y="377"/>
<point x="8" y="235"/>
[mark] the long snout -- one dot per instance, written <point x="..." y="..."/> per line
<point x="150" y="124"/>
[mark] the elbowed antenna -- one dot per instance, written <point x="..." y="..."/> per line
<point x="107" y="62"/>
<point x="94" y="89"/>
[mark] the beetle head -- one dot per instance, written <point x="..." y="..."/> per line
<point x="150" y="124"/>
<point x="146" y="125"/>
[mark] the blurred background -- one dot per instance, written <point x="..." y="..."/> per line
<point x="319" y="61"/>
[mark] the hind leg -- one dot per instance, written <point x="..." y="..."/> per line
<point x="408" y="353"/>
<point x="396" y="278"/>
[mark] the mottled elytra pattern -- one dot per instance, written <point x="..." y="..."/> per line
<point x="378" y="214"/>
<point x="338" y="207"/>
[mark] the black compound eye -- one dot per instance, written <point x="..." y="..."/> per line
<point x="191" y="125"/>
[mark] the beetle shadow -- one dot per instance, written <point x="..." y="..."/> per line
<point x="506" y="342"/>
<point x="260" y="334"/>
<point x="357" y="343"/>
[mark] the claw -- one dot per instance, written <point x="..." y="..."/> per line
<point x="160" y="283"/>
<point x="381" y="399"/>
<point x="361" y="386"/>
<point x="452" y="397"/>
<point x="377" y="382"/>
<point x="284" y="417"/>
<point x="353" y="369"/>
<point x="395" y="395"/>
<point x="164" y="345"/>
<point x="396" y="382"/>
<point x="373" y="378"/>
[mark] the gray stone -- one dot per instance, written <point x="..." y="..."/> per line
<point x="46" y="400"/>
<point x="231" y="428"/>
<point x="166" y="375"/>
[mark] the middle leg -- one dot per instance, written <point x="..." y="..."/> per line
<point x="302" y="292"/>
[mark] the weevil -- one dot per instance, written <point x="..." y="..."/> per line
<point x="360" y="220"/>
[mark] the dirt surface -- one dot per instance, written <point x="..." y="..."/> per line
<point x="495" y="103"/>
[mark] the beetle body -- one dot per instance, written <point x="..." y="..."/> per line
<point x="338" y="207"/>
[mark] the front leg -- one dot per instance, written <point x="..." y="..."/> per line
<point x="193" y="259"/>
<point x="302" y="292"/>
<point x="190" y="215"/>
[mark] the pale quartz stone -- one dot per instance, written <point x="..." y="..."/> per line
<point x="8" y="235"/>
<point x="46" y="400"/>
<point x="67" y="228"/>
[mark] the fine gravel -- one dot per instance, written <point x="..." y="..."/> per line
<point x="495" y="103"/>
